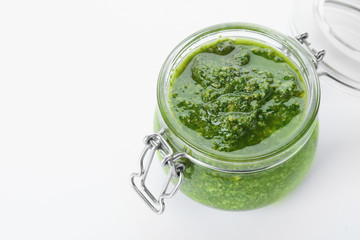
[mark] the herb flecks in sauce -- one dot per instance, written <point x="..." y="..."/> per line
<point x="236" y="93"/>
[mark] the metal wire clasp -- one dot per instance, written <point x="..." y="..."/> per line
<point x="155" y="142"/>
<point x="317" y="55"/>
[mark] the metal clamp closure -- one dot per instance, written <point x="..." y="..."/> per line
<point x="317" y="55"/>
<point x="155" y="142"/>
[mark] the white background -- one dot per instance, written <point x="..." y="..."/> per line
<point x="77" y="95"/>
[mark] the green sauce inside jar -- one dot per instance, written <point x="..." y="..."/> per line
<point x="234" y="98"/>
<point x="235" y="94"/>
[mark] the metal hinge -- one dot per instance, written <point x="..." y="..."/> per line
<point x="156" y="142"/>
<point x="317" y="55"/>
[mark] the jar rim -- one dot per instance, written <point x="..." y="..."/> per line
<point x="312" y="103"/>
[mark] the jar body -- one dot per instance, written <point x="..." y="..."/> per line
<point x="245" y="190"/>
<point x="238" y="181"/>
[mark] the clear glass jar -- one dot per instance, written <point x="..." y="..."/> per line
<point x="220" y="179"/>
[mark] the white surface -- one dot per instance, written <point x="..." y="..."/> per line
<point x="77" y="94"/>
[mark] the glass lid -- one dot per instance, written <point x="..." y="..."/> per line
<point x="333" y="25"/>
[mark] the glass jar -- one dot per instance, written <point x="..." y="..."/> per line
<point x="221" y="179"/>
<point x="335" y="25"/>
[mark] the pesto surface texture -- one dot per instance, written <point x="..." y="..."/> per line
<point x="234" y="94"/>
<point x="239" y="97"/>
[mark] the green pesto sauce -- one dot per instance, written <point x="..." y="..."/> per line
<point x="245" y="191"/>
<point x="237" y="95"/>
